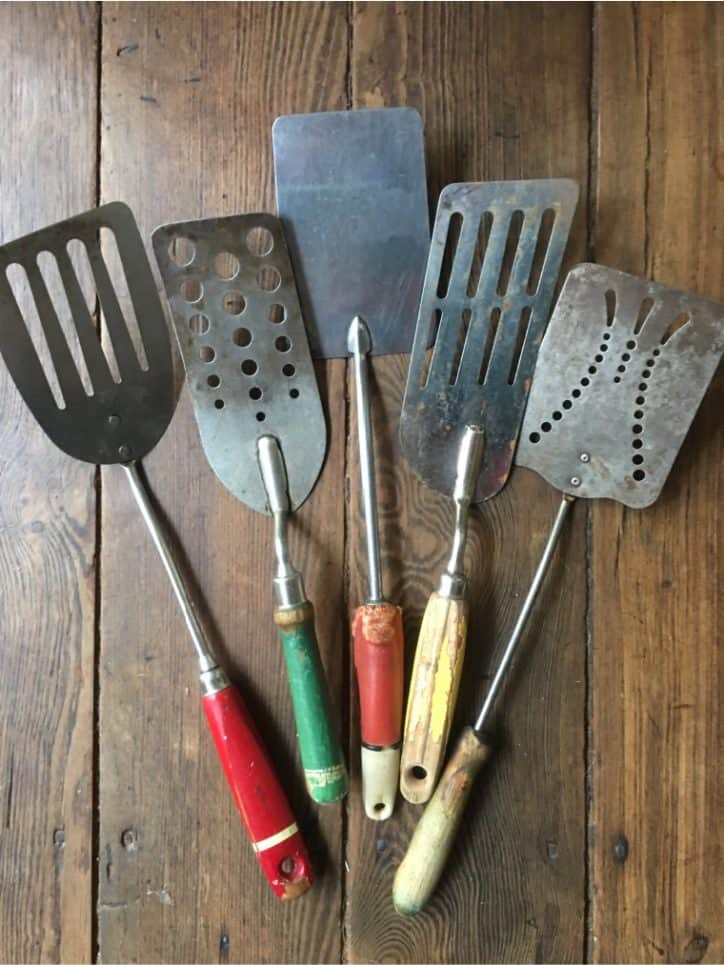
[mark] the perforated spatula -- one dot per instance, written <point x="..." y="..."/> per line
<point x="494" y="259"/>
<point x="114" y="404"/>
<point x="240" y="329"/>
<point x="621" y="372"/>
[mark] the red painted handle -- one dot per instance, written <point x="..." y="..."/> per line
<point x="379" y="662"/>
<point x="263" y="806"/>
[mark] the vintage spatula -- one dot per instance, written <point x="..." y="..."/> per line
<point x="241" y="334"/>
<point x="621" y="372"/>
<point x="117" y="416"/>
<point x="494" y="259"/>
<point x="352" y="196"/>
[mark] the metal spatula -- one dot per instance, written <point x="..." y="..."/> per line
<point x="621" y="372"/>
<point x="240" y="329"/>
<point x="352" y="195"/>
<point x="494" y="258"/>
<point x="117" y="415"/>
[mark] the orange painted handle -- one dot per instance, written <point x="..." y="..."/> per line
<point x="379" y="662"/>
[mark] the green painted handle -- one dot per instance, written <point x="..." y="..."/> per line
<point x="322" y="760"/>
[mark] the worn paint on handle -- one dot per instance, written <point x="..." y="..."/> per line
<point x="432" y="842"/>
<point x="324" y="769"/>
<point x="432" y="696"/>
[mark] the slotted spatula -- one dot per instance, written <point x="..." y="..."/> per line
<point x="621" y="372"/>
<point x="494" y="259"/>
<point x="119" y="421"/>
<point x="240" y="329"/>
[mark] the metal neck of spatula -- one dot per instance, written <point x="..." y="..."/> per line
<point x="359" y="343"/>
<point x="452" y="582"/>
<point x="213" y="678"/>
<point x="288" y="585"/>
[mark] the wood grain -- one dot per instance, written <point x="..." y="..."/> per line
<point x="47" y="526"/>
<point x="503" y="94"/>
<point x="656" y="867"/>
<point x="189" y="95"/>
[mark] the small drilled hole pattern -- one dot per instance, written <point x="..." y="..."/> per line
<point x="239" y="325"/>
<point x="621" y="370"/>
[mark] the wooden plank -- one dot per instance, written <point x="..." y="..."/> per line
<point x="657" y="578"/>
<point x="189" y="96"/>
<point x="503" y="94"/>
<point x="47" y="531"/>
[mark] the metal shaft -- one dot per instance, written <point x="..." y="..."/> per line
<point x="288" y="586"/>
<point x="359" y="344"/>
<point x="517" y="633"/>
<point x="206" y="658"/>
<point x="470" y="454"/>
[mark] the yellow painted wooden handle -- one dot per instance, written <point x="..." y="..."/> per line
<point x="420" y="871"/>
<point x="433" y="692"/>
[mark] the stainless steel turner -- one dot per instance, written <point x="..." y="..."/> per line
<point x="352" y="195"/>
<point x="240" y="330"/>
<point x="112" y="403"/>
<point x="494" y="259"/>
<point x="621" y="372"/>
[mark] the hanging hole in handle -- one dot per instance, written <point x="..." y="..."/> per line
<point x="380" y="806"/>
<point x="287" y="867"/>
<point x="417" y="772"/>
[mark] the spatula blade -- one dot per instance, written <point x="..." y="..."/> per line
<point x="621" y="372"/>
<point x="242" y="338"/>
<point x="114" y="417"/>
<point x="494" y="259"/>
<point x="352" y="194"/>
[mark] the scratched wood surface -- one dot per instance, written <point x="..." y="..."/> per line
<point x="47" y="522"/>
<point x="118" y="839"/>
<point x="656" y="673"/>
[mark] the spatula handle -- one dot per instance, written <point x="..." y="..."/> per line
<point x="259" y="796"/>
<point x="324" y="769"/>
<point x="379" y="661"/>
<point x="433" y="692"/>
<point x="432" y="841"/>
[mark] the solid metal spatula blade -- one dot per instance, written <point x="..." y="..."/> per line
<point x="242" y="338"/>
<point x="352" y="195"/>
<point x="621" y="372"/>
<point x="494" y="259"/>
<point x="115" y="398"/>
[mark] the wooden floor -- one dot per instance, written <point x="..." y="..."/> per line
<point x="598" y="832"/>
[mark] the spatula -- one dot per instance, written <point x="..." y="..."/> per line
<point x="352" y="196"/>
<point x="241" y="334"/>
<point x="118" y="418"/>
<point x="494" y="258"/>
<point x="621" y="372"/>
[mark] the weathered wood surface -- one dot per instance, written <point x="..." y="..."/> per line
<point x="47" y="522"/>
<point x="623" y="98"/>
<point x="656" y="671"/>
<point x="514" y="888"/>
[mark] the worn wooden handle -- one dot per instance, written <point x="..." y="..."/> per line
<point x="420" y="871"/>
<point x="433" y="692"/>
<point x="324" y="769"/>
<point x="259" y="796"/>
<point x="379" y="661"/>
